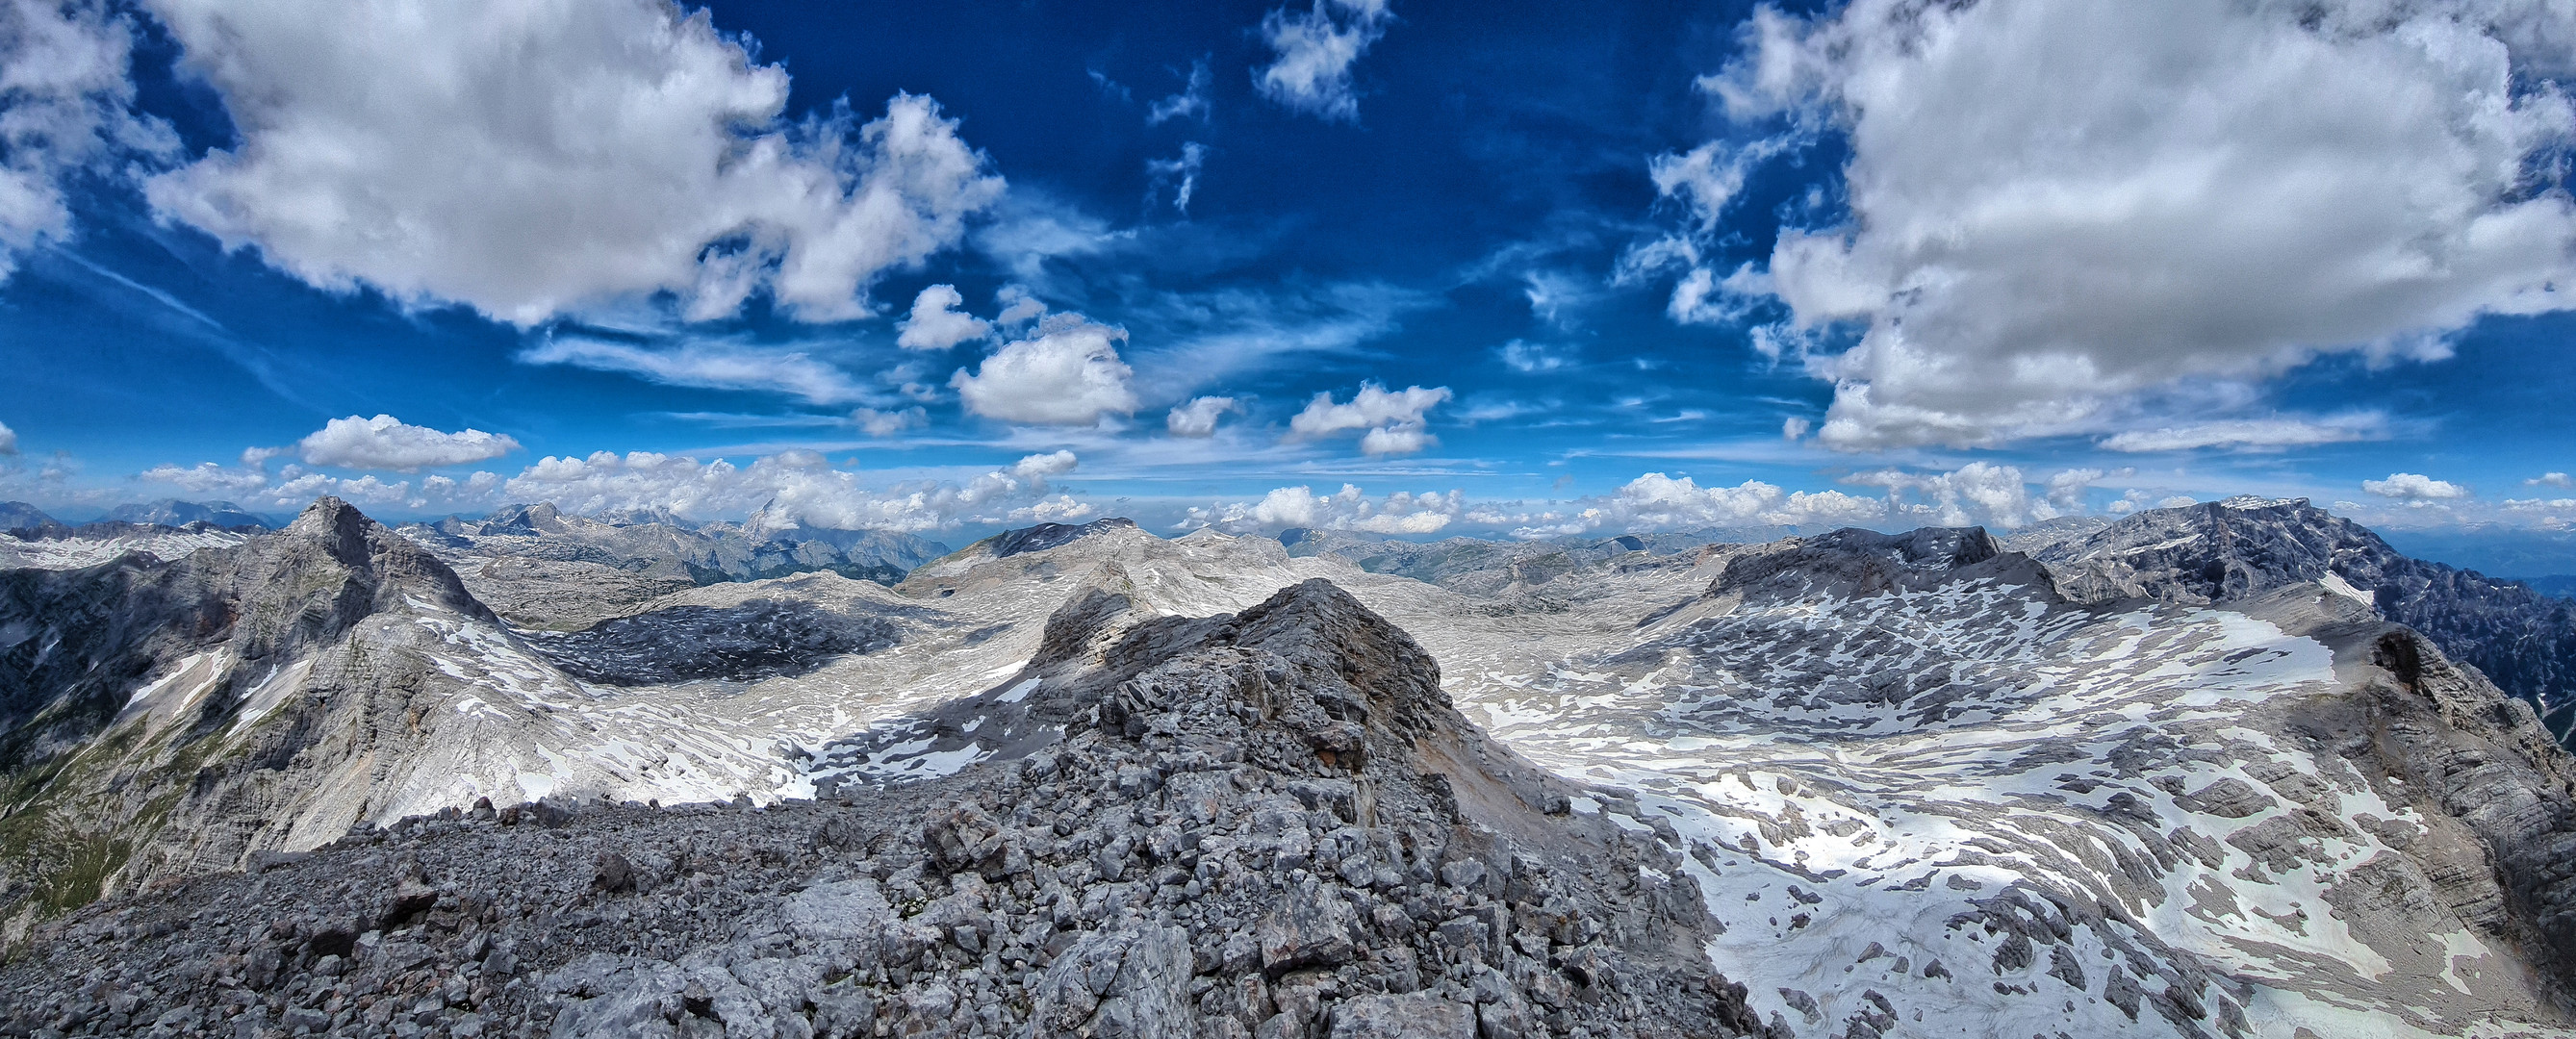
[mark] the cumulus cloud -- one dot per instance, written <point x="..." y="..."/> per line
<point x="1978" y="493"/>
<point x="65" y="110"/>
<point x="2166" y="194"/>
<point x="396" y="149"/>
<point x="362" y="490"/>
<point x="8" y="440"/>
<point x="937" y="324"/>
<point x="888" y="423"/>
<point x="2414" y="487"/>
<point x="2066" y="489"/>
<point x="705" y="365"/>
<point x="1402" y="512"/>
<point x="2542" y="480"/>
<point x="1656" y="501"/>
<point x="796" y="485"/>
<point x="208" y="478"/>
<point x="1314" y="54"/>
<point x="2252" y="433"/>
<point x="1197" y="418"/>
<point x="1394" y="420"/>
<point x="1067" y="373"/>
<point x="385" y="442"/>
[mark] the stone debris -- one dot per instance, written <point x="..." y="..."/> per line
<point x="1238" y="836"/>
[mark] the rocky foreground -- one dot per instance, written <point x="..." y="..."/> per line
<point x="1268" y="824"/>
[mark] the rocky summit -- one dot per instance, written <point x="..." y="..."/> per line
<point x="2232" y="770"/>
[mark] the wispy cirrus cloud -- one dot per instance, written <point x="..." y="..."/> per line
<point x="707" y="364"/>
<point x="2255" y="434"/>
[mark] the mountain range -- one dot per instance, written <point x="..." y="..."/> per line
<point x="2235" y="769"/>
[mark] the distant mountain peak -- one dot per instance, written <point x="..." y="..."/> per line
<point x="1050" y="535"/>
<point x="171" y="512"/>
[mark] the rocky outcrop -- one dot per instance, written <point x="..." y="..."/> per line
<point x="2236" y="549"/>
<point x="127" y="693"/>
<point x="1852" y="563"/>
<point x="1268" y="824"/>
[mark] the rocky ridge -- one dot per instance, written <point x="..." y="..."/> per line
<point x="2522" y="640"/>
<point x="1268" y="824"/>
<point x="1918" y="782"/>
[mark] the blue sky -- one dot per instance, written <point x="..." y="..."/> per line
<point x="1494" y="268"/>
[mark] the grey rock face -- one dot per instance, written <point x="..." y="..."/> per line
<point x="77" y="646"/>
<point x="759" y="639"/>
<point x="2523" y="641"/>
<point x="1127" y="880"/>
<point x="1853" y="563"/>
<point x="1049" y="535"/>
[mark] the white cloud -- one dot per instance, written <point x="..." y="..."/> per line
<point x="1192" y="101"/>
<point x="1402" y="512"/>
<point x="2542" y="480"/>
<point x="65" y="108"/>
<point x="796" y="485"/>
<point x="207" y="478"/>
<point x="2066" y="489"/>
<point x="888" y="423"/>
<point x="384" y="442"/>
<point x="1707" y="178"/>
<point x="1315" y="51"/>
<point x="8" y="440"/>
<point x="2207" y="190"/>
<point x="1394" y="420"/>
<point x="1019" y="306"/>
<point x="1180" y="174"/>
<point x="397" y="149"/>
<point x="1978" y="493"/>
<point x="2414" y="487"/>
<point x="937" y="324"/>
<point x="363" y="490"/>
<point x="1067" y="373"/>
<point x="2252" y="433"/>
<point x="1530" y="358"/>
<point x="1656" y="501"/>
<point x="1795" y="427"/>
<point x="1197" y="418"/>
<point x="706" y="365"/>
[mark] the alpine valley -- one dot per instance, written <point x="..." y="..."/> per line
<point x="2237" y="769"/>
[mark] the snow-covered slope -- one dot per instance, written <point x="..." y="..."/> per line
<point x="1956" y="796"/>
<point x="71" y="548"/>
<point x="1921" y="789"/>
<point x="2219" y="552"/>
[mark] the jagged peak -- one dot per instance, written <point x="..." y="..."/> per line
<point x="1051" y="535"/>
